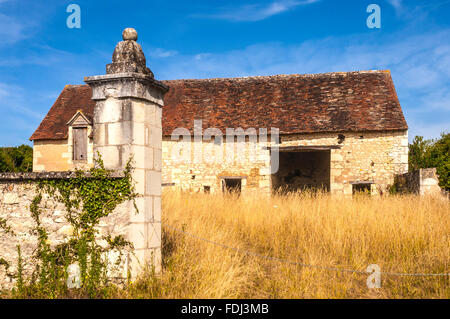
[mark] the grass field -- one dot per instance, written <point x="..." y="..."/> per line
<point x="404" y="234"/>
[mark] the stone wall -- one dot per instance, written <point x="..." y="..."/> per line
<point x="421" y="182"/>
<point x="219" y="161"/>
<point x="367" y="156"/>
<point x="16" y="193"/>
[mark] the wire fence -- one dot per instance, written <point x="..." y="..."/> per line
<point x="337" y="269"/>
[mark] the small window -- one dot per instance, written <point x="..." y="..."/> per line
<point x="363" y="188"/>
<point x="79" y="143"/>
<point x="232" y="185"/>
<point x="206" y="189"/>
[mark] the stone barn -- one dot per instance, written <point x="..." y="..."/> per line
<point x="340" y="132"/>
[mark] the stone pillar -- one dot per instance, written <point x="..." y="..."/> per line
<point x="127" y="122"/>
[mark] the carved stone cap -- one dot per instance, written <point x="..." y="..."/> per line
<point x="127" y="85"/>
<point x="128" y="56"/>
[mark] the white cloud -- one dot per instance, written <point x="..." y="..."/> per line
<point x="256" y="12"/>
<point x="11" y="30"/>
<point x="419" y="64"/>
<point x="428" y="130"/>
<point x="3" y="91"/>
<point x="397" y="4"/>
<point x="12" y="101"/>
<point x="160" y="53"/>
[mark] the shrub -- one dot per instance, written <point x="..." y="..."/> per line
<point x="432" y="153"/>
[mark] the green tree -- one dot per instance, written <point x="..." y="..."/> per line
<point x="439" y="156"/>
<point x="417" y="151"/>
<point x="432" y="153"/>
<point x="16" y="159"/>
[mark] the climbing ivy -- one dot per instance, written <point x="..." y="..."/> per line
<point x="87" y="197"/>
<point x="7" y="230"/>
<point x="5" y="227"/>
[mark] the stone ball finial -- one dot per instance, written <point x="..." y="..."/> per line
<point x="128" y="56"/>
<point x="129" y="34"/>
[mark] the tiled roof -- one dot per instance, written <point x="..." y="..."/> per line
<point x="72" y="99"/>
<point x="328" y="102"/>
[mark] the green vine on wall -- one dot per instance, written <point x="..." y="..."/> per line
<point x="7" y="230"/>
<point x="88" y="197"/>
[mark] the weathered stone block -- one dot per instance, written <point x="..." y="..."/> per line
<point x="145" y="210"/>
<point x="109" y="111"/>
<point x="139" y="176"/>
<point x="10" y="198"/>
<point x="138" y="133"/>
<point x="156" y="209"/>
<point x="137" y="235"/>
<point x="156" y="160"/>
<point x="153" y="183"/>
<point x="118" y="133"/>
<point x="155" y="140"/>
<point x="111" y="156"/>
<point x="139" y="112"/>
<point x="142" y="156"/>
<point x="154" y="235"/>
<point x="158" y="116"/>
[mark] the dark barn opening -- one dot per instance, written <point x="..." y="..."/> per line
<point x="232" y="185"/>
<point x="301" y="170"/>
<point x="361" y="188"/>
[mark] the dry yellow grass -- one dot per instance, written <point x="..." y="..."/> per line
<point x="405" y="234"/>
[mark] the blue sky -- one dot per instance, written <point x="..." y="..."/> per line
<point x="39" y="55"/>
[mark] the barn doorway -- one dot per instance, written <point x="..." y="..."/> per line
<point x="302" y="170"/>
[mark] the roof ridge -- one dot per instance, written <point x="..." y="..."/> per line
<point x="306" y="75"/>
<point x="75" y="85"/>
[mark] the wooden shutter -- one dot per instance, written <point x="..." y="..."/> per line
<point x="80" y="143"/>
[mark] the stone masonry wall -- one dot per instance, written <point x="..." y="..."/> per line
<point x="365" y="156"/>
<point x="209" y="171"/>
<point x="15" y="200"/>
<point x="422" y="182"/>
